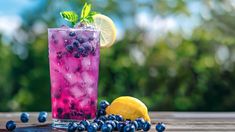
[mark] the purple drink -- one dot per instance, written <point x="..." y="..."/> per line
<point x="74" y="67"/>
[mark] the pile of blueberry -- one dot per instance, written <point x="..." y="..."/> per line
<point x="109" y="123"/>
<point x="80" y="46"/>
<point x="103" y="122"/>
<point x="24" y="117"/>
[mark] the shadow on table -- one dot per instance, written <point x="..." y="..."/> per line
<point x="36" y="128"/>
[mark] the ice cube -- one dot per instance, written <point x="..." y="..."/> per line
<point x="56" y="70"/>
<point x="71" y="64"/>
<point x="84" y="102"/>
<point x="90" y="91"/>
<point x="86" y="63"/>
<point x="88" y="79"/>
<point x="71" y="78"/>
<point x="77" y="92"/>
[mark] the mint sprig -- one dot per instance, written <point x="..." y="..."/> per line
<point x="86" y="16"/>
<point x="85" y="10"/>
<point x="70" y="16"/>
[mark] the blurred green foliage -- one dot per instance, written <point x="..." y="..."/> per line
<point x="194" y="72"/>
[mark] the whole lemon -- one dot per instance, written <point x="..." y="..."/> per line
<point x="129" y="108"/>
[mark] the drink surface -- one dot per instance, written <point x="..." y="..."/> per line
<point x="74" y="67"/>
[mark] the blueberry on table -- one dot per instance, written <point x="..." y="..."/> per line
<point x="129" y="128"/>
<point x="10" y="125"/>
<point x="160" y="127"/>
<point x="146" y="126"/>
<point x="135" y="124"/>
<point x="72" y="127"/>
<point x="140" y="122"/>
<point x="92" y="127"/>
<point x="96" y="120"/>
<point x="24" y="117"/>
<point x="81" y="127"/>
<point x="100" y="123"/>
<point x="119" y="117"/>
<point x="120" y="126"/>
<point x="72" y="34"/>
<point x="42" y="117"/>
<point x="104" y="104"/>
<point x="128" y="121"/>
<point x="111" y="117"/>
<point x="111" y="123"/>
<point x="43" y="113"/>
<point x="116" y="123"/>
<point x="86" y="123"/>
<point x="103" y="118"/>
<point x="106" y="128"/>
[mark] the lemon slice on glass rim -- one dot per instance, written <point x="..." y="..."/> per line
<point x="107" y="30"/>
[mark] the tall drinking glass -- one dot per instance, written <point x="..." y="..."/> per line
<point x="74" y="66"/>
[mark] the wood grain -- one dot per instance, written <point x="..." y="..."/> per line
<point x="175" y="121"/>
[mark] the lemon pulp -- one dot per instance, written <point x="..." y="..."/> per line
<point x="129" y="108"/>
<point x="107" y="30"/>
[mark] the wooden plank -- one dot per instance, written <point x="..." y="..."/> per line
<point x="175" y="121"/>
<point x="185" y="115"/>
<point x="196" y="121"/>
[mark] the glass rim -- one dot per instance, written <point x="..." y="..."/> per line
<point x="72" y="29"/>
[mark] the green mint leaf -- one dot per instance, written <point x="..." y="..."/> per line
<point x="85" y="20"/>
<point x="87" y="14"/>
<point x="70" y="16"/>
<point x="90" y="19"/>
<point x="93" y="13"/>
<point x="85" y="10"/>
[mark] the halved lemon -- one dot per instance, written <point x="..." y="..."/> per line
<point x="129" y="108"/>
<point x="107" y="30"/>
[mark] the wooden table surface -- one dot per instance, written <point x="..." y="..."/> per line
<point x="175" y="121"/>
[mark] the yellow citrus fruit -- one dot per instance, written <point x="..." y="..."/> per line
<point x="129" y="108"/>
<point x="107" y="30"/>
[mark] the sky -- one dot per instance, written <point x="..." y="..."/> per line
<point x="13" y="7"/>
<point x="10" y="11"/>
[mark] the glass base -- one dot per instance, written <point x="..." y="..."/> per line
<point x="62" y="123"/>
